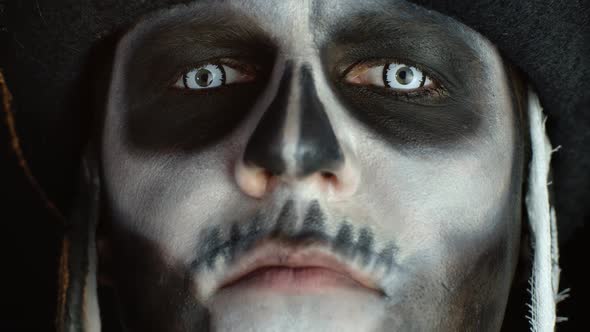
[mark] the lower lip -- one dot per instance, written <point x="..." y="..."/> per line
<point x="299" y="279"/>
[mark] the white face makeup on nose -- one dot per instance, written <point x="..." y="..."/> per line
<point x="311" y="167"/>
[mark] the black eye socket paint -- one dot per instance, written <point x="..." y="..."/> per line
<point x="187" y="122"/>
<point x="158" y="117"/>
<point x="217" y="242"/>
<point x="413" y="127"/>
<point x="446" y="119"/>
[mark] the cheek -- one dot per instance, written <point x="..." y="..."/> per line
<point x="152" y="292"/>
<point x="449" y="221"/>
<point x="438" y="196"/>
<point x="168" y="199"/>
<point x="456" y="218"/>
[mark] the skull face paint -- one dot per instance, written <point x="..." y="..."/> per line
<point x="259" y="176"/>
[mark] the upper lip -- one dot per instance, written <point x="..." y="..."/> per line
<point x="271" y="253"/>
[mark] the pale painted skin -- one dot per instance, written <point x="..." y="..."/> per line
<point x="444" y="193"/>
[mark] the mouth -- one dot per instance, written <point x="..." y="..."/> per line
<point x="282" y="267"/>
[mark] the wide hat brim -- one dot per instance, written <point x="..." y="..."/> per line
<point x="49" y="59"/>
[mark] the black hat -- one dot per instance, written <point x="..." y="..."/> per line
<point x="51" y="51"/>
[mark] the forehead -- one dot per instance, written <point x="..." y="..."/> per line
<point x="297" y="25"/>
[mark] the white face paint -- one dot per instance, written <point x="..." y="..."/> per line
<point x="306" y="166"/>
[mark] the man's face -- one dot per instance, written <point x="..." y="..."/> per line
<point x="311" y="166"/>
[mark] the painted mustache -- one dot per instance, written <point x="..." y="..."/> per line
<point x="348" y="243"/>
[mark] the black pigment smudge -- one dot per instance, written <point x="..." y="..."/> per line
<point x="364" y="245"/>
<point x="385" y="258"/>
<point x="314" y="219"/>
<point x="285" y="225"/>
<point x="254" y="231"/>
<point x="234" y="240"/>
<point x="239" y="241"/>
<point x="342" y="243"/>
<point x="213" y="244"/>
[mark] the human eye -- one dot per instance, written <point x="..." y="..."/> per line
<point x="213" y="75"/>
<point x="397" y="76"/>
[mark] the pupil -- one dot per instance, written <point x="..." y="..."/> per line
<point x="204" y="77"/>
<point x="404" y="75"/>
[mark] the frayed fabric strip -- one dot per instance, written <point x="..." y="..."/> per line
<point x="544" y="282"/>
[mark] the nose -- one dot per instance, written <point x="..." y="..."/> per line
<point x="294" y="143"/>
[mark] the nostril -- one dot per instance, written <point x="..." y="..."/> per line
<point x="329" y="178"/>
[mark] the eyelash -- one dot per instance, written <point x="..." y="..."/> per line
<point x="247" y="67"/>
<point x="438" y="91"/>
<point x="234" y="63"/>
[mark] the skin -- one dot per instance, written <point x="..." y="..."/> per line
<point x="420" y="192"/>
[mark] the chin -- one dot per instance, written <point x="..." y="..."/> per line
<point x="323" y="309"/>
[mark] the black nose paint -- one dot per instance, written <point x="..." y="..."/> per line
<point x="265" y="145"/>
<point x="318" y="149"/>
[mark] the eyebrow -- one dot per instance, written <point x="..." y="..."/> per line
<point x="400" y="24"/>
<point x="208" y="29"/>
<point x="170" y="41"/>
<point x="433" y="41"/>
